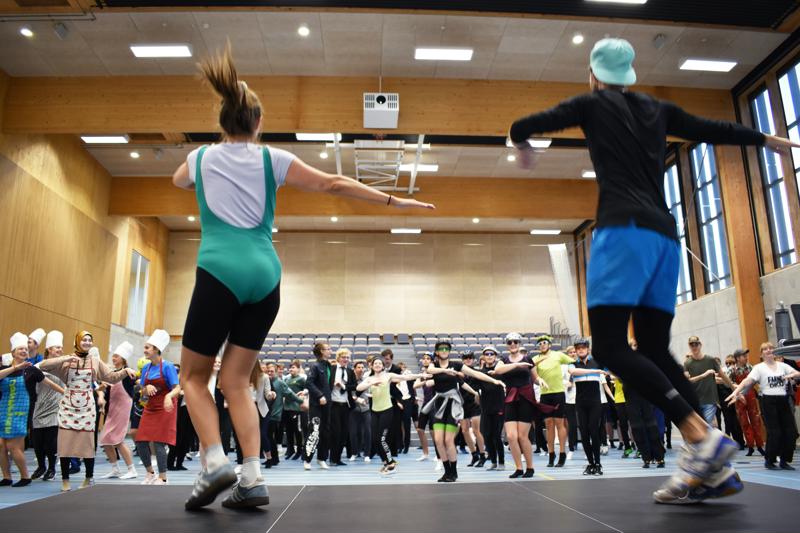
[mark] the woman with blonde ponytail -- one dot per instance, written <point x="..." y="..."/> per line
<point x="237" y="287"/>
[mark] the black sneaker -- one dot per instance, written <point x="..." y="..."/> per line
<point x="39" y="472"/>
<point x="551" y="462"/>
<point x="783" y="465"/>
<point x="646" y="465"/>
<point x="761" y="451"/>
<point x="246" y="498"/>
<point x="771" y="466"/>
<point x="562" y="458"/>
<point x="528" y="473"/>
<point x="24" y="482"/>
<point x="207" y="486"/>
<point x="516" y="474"/>
<point x="598" y="470"/>
<point x="589" y="470"/>
<point x="296" y="456"/>
<point x="50" y="474"/>
<point x="660" y="464"/>
<point x="749" y="452"/>
<point x="481" y="462"/>
<point x="6" y="483"/>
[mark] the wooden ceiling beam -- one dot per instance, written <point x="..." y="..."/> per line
<point x="157" y="104"/>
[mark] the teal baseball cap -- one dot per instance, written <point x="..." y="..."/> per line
<point x="612" y="62"/>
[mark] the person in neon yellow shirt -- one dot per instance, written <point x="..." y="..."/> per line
<point x="548" y="366"/>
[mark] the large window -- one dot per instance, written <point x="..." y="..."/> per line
<point x="790" y="95"/>
<point x="774" y="186"/>
<point x="711" y="223"/>
<point x="672" y="193"/>
<point x="137" y="292"/>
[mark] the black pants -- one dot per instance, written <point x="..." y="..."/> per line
<point x="622" y="417"/>
<point x="590" y="419"/>
<point x="537" y="431"/>
<point x="781" y="430"/>
<point x="651" y="371"/>
<point x="644" y="426"/>
<point x="408" y="410"/>
<point x="318" y="433"/>
<point x="263" y="428"/>
<point x="185" y="436"/>
<point x="381" y="422"/>
<point x="225" y="426"/>
<point x="492" y="430"/>
<point x="88" y="463"/>
<point x="45" y="445"/>
<point x="732" y="426"/>
<point x="294" y="435"/>
<point x="274" y="431"/>
<point x="572" y="426"/>
<point x="360" y="432"/>
<point x="340" y="418"/>
<point x="395" y="437"/>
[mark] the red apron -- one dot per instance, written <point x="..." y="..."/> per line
<point x="158" y="425"/>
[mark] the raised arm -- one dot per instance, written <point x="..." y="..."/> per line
<point x="397" y="378"/>
<point x="308" y="178"/>
<point x="565" y="115"/>
<point x="741" y="388"/>
<point x="502" y="367"/>
<point x="53" y="385"/>
<point x="181" y="177"/>
<point x="481" y="376"/>
<point x="13" y="368"/>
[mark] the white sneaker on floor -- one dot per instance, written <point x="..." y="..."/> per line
<point x="130" y="474"/>
<point x="439" y="466"/>
<point x="422" y="458"/>
<point x="569" y="456"/>
<point x="323" y="465"/>
<point x="306" y="465"/>
<point x="603" y="450"/>
<point x="148" y="479"/>
<point x="543" y="453"/>
<point x="114" y="473"/>
<point x="367" y="459"/>
<point x="352" y="459"/>
<point x="159" y="481"/>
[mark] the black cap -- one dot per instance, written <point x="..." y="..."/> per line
<point x="442" y="343"/>
<point x="739" y="352"/>
<point x="581" y="342"/>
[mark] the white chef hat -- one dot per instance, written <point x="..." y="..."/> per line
<point x="54" y="338"/>
<point x="159" y="339"/>
<point x="19" y="340"/>
<point x="37" y="335"/>
<point x="124" y="350"/>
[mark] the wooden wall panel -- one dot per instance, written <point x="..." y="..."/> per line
<point x="155" y="104"/>
<point x="454" y="197"/>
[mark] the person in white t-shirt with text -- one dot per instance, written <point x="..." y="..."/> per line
<point x="772" y="377"/>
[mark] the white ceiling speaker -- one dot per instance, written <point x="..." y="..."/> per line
<point x="381" y="110"/>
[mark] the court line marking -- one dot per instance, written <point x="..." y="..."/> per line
<point x="287" y="508"/>
<point x="546" y="477"/>
<point x="524" y="486"/>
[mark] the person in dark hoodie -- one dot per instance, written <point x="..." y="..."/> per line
<point x="318" y="384"/>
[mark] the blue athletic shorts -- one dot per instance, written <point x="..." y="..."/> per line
<point x="632" y="267"/>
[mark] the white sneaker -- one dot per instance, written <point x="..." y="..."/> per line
<point x="439" y="466"/>
<point x="306" y="465"/>
<point x="543" y="453"/>
<point x="603" y="450"/>
<point x="352" y="459"/>
<point x="422" y="458"/>
<point x="159" y="481"/>
<point x="323" y="465"/>
<point x="148" y="479"/>
<point x="569" y="456"/>
<point x="130" y="474"/>
<point x="114" y="473"/>
<point x="367" y="459"/>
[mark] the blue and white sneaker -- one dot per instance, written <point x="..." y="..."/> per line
<point x="698" y="465"/>
<point x="245" y="498"/>
<point x="723" y="483"/>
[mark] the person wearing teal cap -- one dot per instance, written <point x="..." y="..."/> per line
<point x="634" y="266"/>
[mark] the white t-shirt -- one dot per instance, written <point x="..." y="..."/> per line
<point x="233" y="180"/>
<point x="569" y="391"/>
<point x="771" y="382"/>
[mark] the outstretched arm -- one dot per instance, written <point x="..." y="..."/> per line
<point x="308" y="178"/>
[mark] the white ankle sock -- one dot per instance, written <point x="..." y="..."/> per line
<point x="251" y="472"/>
<point x="114" y="465"/>
<point x="215" y="458"/>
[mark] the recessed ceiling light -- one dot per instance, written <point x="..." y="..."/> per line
<point x="135" y="155"/>
<point x="323" y="155"/>
<point x="161" y="50"/>
<point x="274" y="230"/>
<point x="420" y="168"/>
<point x="588" y="174"/>
<point x="191" y="219"/>
<point x="535" y="143"/>
<point x="511" y="158"/>
<point x="545" y="232"/>
<point x="406" y="243"/>
<point x="476" y="220"/>
<point x="26" y="31"/>
<point x="472" y="244"/>
<point x="334" y="219"/>
<point x="335" y="242"/>
<point x="303" y="31"/>
<point x="410" y="231"/>
<point x="318" y="137"/>
<point x="708" y="65"/>
<point x="443" y="54"/>
<point x="639" y="2"/>
<point x="105" y="139"/>
<point x="577" y="38"/>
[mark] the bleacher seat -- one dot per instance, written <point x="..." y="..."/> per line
<point x="402" y="338"/>
<point x="475" y="347"/>
<point x="388" y="338"/>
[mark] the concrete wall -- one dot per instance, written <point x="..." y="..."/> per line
<point x="714" y="318"/>
<point x="783" y="285"/>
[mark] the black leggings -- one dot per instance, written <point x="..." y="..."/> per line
<point x="492" y="430"/>
<point x="781" y="431"/>
<point x="263" y="426"/>
<point x="88" y="463"/>
<point x="651" y="371"/>
<point x="318" y="432"/>
<point x="622" y="417"/>
<point x="643" y="426"/>
<point x="294" y="435"/>
<point x="572" y="426"/>
<point x="590" y="419"/>
<point x="381" y="423"/>
<point x="45" y="444"/>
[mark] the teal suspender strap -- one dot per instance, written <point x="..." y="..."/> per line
<point x="269" y="190"/>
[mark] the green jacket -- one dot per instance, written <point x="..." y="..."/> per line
<point x="282" y="394"/>
<point x="295" y="384"/>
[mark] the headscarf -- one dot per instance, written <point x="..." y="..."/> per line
<point x="78" y="338"/>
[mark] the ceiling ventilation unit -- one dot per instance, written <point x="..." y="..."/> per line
<point x="381" y="110"/>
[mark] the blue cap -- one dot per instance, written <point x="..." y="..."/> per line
<point x="611" y="61"/>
